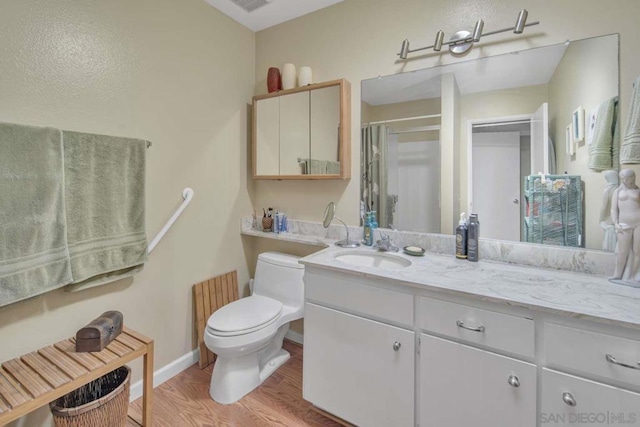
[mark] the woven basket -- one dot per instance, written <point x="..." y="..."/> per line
<point x="101" y="403"/>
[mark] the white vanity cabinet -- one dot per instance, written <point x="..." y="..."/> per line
<point x="485" y="389"/>
<point x="358" y="369"/>
<point x="611" y="365"/>
<point x="466" y="386"/>
<point x="570" y="400"/>
<point x="385" y="352"/>
<point x="359" y="358"/>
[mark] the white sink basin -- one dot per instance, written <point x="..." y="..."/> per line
<point x="373" y="259"/>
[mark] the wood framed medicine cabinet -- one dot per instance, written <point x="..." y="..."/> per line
<point x="303" y="133"/>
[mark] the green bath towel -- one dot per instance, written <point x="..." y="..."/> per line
<point x="33" y="250"/>
<point x="105" y="207"/>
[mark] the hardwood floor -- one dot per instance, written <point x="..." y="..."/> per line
<point x="184" y="400"/>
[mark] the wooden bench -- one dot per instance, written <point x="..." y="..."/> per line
<point x="35" y="379"/>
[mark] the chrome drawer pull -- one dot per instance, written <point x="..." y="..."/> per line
<point x="568" y="399"/>
<point x="613" y="360"/>
<point x="462" y="325"/>
<point x="513" y="381"/>
<point x="397" y="345"/>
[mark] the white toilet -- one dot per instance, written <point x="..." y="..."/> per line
<point x="247" y="334"/>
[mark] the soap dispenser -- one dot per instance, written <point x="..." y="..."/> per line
<point x="461" y="238"/>
<point x="367" y="238"/>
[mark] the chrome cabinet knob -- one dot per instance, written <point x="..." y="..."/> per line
<point x="513" y="381"/>
<point x="516" y="201"/>
<point x="396" y="346"/>
<point x="568" y="399"/>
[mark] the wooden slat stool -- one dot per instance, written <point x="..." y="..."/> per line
<point x="35" y="379"/>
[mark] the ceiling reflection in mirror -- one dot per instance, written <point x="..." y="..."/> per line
<point x="521" y="139"/>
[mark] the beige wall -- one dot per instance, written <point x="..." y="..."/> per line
<point x="580" y="80"/>
<point x="359" y="39"/>
<point x="177" y="73"/>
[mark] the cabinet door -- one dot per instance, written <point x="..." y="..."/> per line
<point x="353" y="370"/>
<point x="294" y="132"/>
<point x="461" y="386"/>
<point x="267" y="154"/>
<point x="569" y="400"/>
<point x="325" y="127"/>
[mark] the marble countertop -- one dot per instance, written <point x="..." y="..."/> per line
<point x="549" y="279"/>
<point x="566" y="293"/>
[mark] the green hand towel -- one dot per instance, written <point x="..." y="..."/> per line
<point x="317" y="167"/>
<point x="33" y="252"/>
<point x="333" y="167"/>
<point x="630" y="151"/>
<point x="105" y="207"/>
<point x="605" y="148"/>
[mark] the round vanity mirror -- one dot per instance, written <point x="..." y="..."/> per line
<point x="329" y="213"/>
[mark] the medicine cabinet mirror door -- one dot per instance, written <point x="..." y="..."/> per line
<point x="303" y="133"/>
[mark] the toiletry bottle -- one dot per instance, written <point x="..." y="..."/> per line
<point x="366" y="238"/>
<point x="374" y="226"/>
<point x="473" y="233"/>
<point x="461" y="238"/>
<point x="276" y="223"/>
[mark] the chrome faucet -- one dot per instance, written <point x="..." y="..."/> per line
<point x="384" y="244"/>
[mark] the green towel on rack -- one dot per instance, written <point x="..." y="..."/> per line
<point x="105" y="204"/>
<point x="333" y="168"/>
<point x="605" y="148"/>
<point x="630" y="151"/>
<point x="33" y="251"/>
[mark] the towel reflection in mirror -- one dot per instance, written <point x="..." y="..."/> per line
<point x="625" y="214"/>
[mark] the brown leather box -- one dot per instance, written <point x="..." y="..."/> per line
<point x="99" y="332"/>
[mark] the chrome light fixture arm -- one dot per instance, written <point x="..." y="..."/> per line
<point x="463" y="40"/>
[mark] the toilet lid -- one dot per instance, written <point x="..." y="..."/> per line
<point x="246" y="313"/>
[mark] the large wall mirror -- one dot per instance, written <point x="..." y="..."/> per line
<point x="507" y="137"/>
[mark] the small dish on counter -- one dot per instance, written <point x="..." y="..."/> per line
<point x="413" y="250"/>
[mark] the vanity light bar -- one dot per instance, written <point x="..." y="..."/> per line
<point x="463" y="40"/>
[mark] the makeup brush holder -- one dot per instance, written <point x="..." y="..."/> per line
<point x="267" y="224"/>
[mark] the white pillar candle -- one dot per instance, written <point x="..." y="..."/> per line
<point x="305" y="76"/>
<point x="288" y="76"/>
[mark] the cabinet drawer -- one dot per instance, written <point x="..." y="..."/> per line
<point x="370" y="301"/>
<point x="585" y="351"/>
<point x="494" y="330"/>
<point x="569" y="400"/>
<point x="464" y="386"/>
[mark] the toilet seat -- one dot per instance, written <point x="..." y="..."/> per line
<point x="244" y="316"/>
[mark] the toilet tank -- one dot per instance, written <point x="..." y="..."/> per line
<point x="279" y="276"/>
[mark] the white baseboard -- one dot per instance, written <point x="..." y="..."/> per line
<point x="166" y="372"/>
<point x="294" y="336"/>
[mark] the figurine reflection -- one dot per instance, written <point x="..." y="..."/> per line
<point x="625" y="214"/>
<point x="610" y="239"/>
